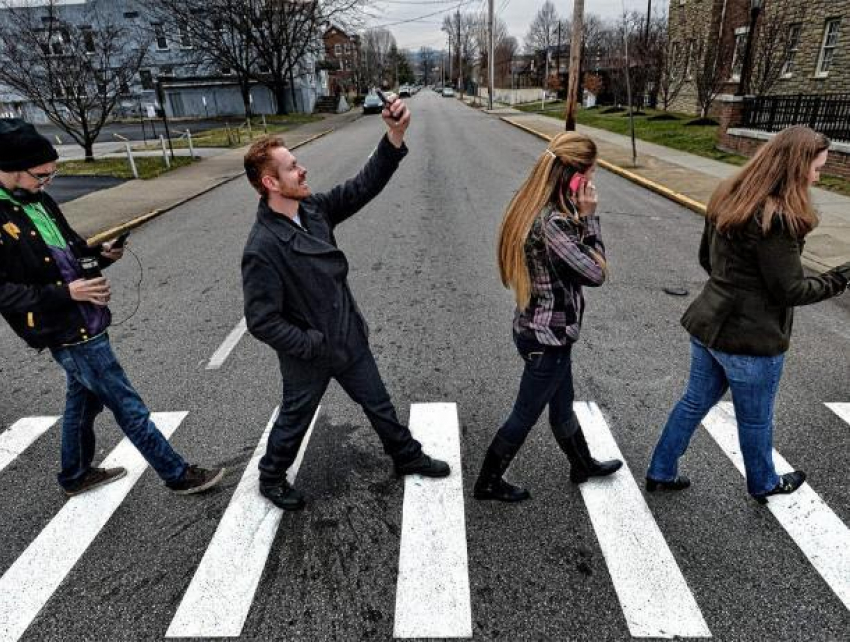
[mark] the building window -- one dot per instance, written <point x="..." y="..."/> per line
<point x="88" y="41"/>
<point x="130" y="15"/>
<point x="264" y="69"/>
<point x="159" y="34"/>
<point x="830" y="44"/>
<point x="226" y="71"/>
<point x="689" y="59"/>
<point x="792" y="45"/>
<point x="146" y="78"/>
<point x="347" y="48"/>
<point x="738" y="54"/>
<point x="185" y="38"/>
<point x="337" y="49"/>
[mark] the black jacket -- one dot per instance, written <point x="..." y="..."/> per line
<point x="297" y="298"/>
<point x="756" y="280"/>
<point x="34" y="300"/>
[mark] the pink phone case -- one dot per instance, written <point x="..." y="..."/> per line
<point x="576" y="182"/>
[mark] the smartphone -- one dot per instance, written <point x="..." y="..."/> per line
<point x="119" y="242"/>
<point x="576" y="182"/>
<point x="386" y="101"/>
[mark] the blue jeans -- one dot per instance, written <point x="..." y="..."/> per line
<point x="96" y="379"/>
<point x="753" y="382"/>
<point x="546" y="379"/>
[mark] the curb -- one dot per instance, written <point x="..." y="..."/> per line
<point x="812" y="263"/>
<point x="113" y="232"/>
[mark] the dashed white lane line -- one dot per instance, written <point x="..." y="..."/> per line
<point x="20" y="436"/>
<point x="842" y="410"/>
<point x="224" y="350"/>
<point x="432" y="594"/>
<point x="814" y="527"/>
<point x="219" y="598"/>
<point x="28" y="584"/>
<point x="654" y="596"/>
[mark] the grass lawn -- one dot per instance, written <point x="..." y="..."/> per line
<point x="696" y="139"/>
<point x="238" y="134"/>
<point x="149" y="167"/>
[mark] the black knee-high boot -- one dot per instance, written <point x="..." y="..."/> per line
<point x="490" y="484"/>
<point x="582" y="465"/>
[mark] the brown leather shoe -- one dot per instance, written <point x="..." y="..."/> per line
<point x="95" y="477"/>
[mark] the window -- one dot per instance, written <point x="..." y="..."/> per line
<point x="159" y="34"/>
<point x="689" y="59"/>
<point x="185" y="38"/>
<point x="337" y="49"/>
<point x="166" y="70"/>
<point x="830" y="44"/>
<point x="130" y="15"/>
<point x="347" y="48"/>
<point x="88" y="41"/>
<point x="264" y="69"/>
<point x="738" y="55"/>
<point x="792" y="45"/>
<point x="57" y="40"/>
<point x="146" y="77"/>
<point x="226" y="71"/>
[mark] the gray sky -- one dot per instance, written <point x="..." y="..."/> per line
<point x="517" y="14"/>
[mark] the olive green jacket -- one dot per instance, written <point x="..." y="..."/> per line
<point x="756" y="280"/>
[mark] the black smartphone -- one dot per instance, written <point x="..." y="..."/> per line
<point x="119" y="242"/>
<point x="386" y="102"/>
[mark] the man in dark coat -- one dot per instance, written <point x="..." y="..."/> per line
<point x="50" y="298"/>
<point x="297" y="301"/>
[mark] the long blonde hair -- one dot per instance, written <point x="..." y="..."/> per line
<point x="568" y="153"/>
<point x="775" y="182"/>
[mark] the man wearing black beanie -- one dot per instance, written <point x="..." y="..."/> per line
<point x="51" y="300"/>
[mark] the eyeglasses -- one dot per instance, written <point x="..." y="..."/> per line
<point x="43" y="178"/>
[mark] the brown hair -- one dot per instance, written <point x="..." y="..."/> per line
<point x="568" y="153"/>
<point x="774" y="183"/>
<point x="258" y="161"/>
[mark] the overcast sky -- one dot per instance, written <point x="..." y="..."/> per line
<point x="517" y="14"/>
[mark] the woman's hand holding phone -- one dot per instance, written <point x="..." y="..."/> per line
<point x="584" y="195"/>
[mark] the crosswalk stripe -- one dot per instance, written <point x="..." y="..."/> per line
<point x="841" y="409"/>
<point x="20" y="436"/>
<point x="432" y="594"/>
<point x="218" y="599"/>
<point x="814" y="527"/>
<point x="654" y="596"/>
<point x="29" y="583"/>
<point x="224" y="350"/>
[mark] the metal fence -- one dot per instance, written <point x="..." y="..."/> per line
<point x="828" y="114"/>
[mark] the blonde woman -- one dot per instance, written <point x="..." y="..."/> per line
<point x="740" y="325"/>
<point x="549" y="248"/>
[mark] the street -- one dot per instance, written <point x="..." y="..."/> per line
<point x="605" y="561"/>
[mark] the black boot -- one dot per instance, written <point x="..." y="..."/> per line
<point x="582" y="466"/>
<point x="283" y="495"/>
<point x="490" y="484"/>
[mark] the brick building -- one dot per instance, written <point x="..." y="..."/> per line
<point x="799" y="46"/>
<point x="342" y="62"/>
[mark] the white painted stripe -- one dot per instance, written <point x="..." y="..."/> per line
<point x="28" y="584"/>
<point x="224" y="350"/>
<point x="20" y="436"/>
<point x="222" y="590"/>
<point x="432" y="595"/>
<point x="653" y="594"/>
<point x="813" y="526"/>
<point x="841" y="409"/>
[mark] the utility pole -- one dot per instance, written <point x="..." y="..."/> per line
<point x="629" y="89"/>
<point x="648" y="18"/>
<point x="459" y="58"/>
<point x="451" y="63"/>
<point x="492" y="57"/>
<point x="575" y="64"/>
<point x="558" y="56"/>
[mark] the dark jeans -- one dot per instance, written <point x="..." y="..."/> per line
<point x="546" y="379"/>
<point x="96" y="379"/>
<point x="754" y="382"/>
<point x="304" y="384"/>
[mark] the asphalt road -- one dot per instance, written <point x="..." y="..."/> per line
<point x="423" y="270"/>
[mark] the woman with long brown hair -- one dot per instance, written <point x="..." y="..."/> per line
<point x="740" y="325"/>
<point x="549" y="247"/>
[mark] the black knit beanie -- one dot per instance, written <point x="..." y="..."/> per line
<point x="22" y="147"/>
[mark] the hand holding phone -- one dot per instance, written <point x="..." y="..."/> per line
<point x="119" y="242"/>
<point x="576" y="182"/>
<point x="385" y="99"/>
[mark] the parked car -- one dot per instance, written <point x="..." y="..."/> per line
<point x="448" y="92"/>
<point x="404" y="91"/>
<point x="372" y="104"/>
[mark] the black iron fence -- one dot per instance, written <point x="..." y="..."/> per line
<point x="828" y="114"/>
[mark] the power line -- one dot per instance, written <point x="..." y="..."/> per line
<point x="418" y="18"/>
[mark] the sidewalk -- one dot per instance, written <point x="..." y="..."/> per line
<point x="102" y="215"/>
<point x="690" y="180"/>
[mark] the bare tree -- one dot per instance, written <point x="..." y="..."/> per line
<point x="377" y="45"/>
<point x="500" y="38"/>
<point x="220" y="32"/>
<point x="709" y="73"/>
<point x="462" y="29"/>
<point x="427" y="60"/>
<point x="772" y="40"/>
<point x="504" y="53"/>
<point x="74" y="73"/>
<point x="673" y="64"/>
<point x="543" y="30"/>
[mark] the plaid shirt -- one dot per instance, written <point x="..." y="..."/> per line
<point x="560" y="261"/>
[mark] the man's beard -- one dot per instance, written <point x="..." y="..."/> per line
<point x="297" y="193"/>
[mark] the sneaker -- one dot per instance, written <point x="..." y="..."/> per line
<point x="95" y="477"/>
<point x="788" y="483"/>
<point x="425" y="466"/>
<point x="196" y="480"/>
<point x="283" y="495"/>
